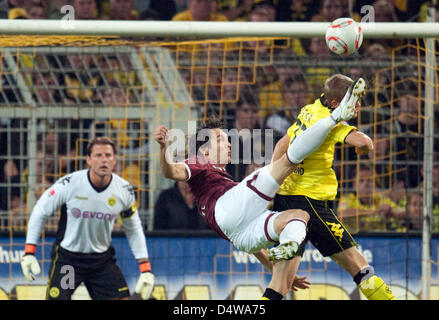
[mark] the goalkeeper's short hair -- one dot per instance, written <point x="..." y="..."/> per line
<point x="100" y="141"/>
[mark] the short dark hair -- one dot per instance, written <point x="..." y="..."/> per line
<point x="211" y="122"/>
<point x="100" y="141"/>
<point x="335" y="88"/>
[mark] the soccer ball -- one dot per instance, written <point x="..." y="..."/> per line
<point x="344" y="36"/>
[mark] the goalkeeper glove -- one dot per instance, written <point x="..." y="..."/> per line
<point x="29" y="263"/>
<point x="145" y="284"/>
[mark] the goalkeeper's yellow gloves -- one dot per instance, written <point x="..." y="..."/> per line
<point x="29" y="263"/>
<point x="145" y="284"/>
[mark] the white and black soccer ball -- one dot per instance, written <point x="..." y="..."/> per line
<point x="344" y="36"/>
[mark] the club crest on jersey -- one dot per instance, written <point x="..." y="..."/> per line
<point x="52" y="192"/>
<point x="112" y="201"/>
<point x="54" y="292"/>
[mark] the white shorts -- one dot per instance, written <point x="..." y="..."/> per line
<point x="242" y="212"/>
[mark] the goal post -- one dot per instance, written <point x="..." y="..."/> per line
<point x="175" y="29"/>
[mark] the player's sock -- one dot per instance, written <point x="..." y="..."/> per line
<point x="373" y="287"/>
<point x="295" y="230"/>
<point x="271" y="294"/>
<point x="309" y="140"/>
<point x="290" y="239"/>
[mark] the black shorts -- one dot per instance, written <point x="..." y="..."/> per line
<point x="98" y="271"/>
<point x="324" y="230"/>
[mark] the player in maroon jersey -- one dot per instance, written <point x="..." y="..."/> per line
<point x="238" y="211"/>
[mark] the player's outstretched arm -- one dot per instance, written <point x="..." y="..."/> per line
<point x="48" y="203"/>
<point x="280" y="148"/>
<point x="132" y="226"/>
<point x="175" y="171"/>
<point x="362" y="143"/>
<point x="145" y="283"/>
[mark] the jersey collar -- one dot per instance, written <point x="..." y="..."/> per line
<point x="320" y="101"/>
<point x="97" y="189"/>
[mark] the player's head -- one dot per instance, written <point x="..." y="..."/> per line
<point x="101" y="156"/>
<point x="335" y="89"/>
<point x="212" y="142"/>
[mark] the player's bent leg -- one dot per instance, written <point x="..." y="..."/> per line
<point x="58" y="287"/>
<point x="290" y="225"/>
<point x="282" y="279"/>
<point x="351" y="260"/>
<point x="372" y="286"/>
<point x="64" y="276"/>
<point x="107" y="283"/>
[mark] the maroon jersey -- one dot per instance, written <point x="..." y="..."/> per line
<point x="208" y="182"/>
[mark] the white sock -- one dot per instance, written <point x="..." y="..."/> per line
<point x="310" y="140"/>
<point x="295" y="230"/>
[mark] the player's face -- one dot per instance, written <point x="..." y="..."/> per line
<point x="222" y="148"/>
<point x="102" y="160"/>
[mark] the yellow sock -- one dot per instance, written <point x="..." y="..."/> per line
<point x="375" y="288"/>
<point x="265" y="298"/>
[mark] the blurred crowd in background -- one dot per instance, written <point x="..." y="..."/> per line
<point x="216" y="10"/>
<point x="386" y="196"/>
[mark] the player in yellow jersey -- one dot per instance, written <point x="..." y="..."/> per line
<point x="313" y="187"/>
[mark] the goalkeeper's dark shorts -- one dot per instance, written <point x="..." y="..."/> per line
<point x="98" y="271"/>
<point x="324" y="230"/>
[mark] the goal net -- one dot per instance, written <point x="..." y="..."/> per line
<point x="59" y="92"/>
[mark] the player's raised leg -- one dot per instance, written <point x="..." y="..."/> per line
<point x="290" y="228"/>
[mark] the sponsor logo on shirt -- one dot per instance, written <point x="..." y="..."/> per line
<point x="77" y="213"/>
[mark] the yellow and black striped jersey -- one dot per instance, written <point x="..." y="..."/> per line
<point x="315" y="177"/>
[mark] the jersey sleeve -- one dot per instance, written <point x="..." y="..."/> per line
<point x="49" y="202"/>
<point x="307" y="117"/>
<point x="132" y="226"/>
<point x="194" y="167"/>
<point x="339" y="133"/>
<point x="290" y="131"/>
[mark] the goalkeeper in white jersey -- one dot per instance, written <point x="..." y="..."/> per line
<point x="90" y="202"/>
